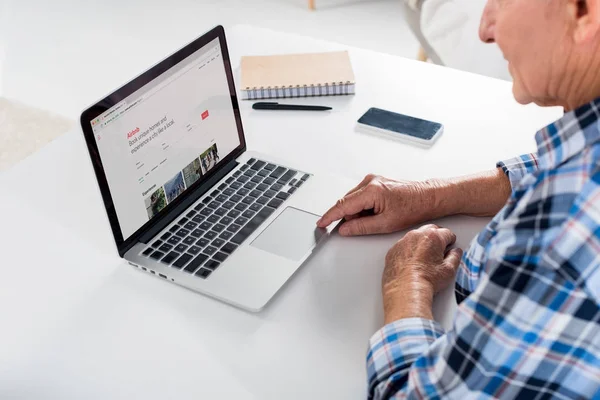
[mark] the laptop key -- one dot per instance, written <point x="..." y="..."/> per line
<point x="248" y="214"/>
<point x="199" y="207"/>
<point x="249" y="185"/>
<point x="236" y="198"/>
<point x="212" y="265"/>
<point x="221" y="198"/>
<point x="210" y="250"/>
<point x="277" y="187"/>
<point x="251" y="161"/>
<point x="305" y="177"/>
<point x="191" y="214"/>
<point x="262" y="187"/>
<point x="270" y="193"/>
<point x="287" y="176"/>
<point x="213" y="218"/>
<point x="215" y="204"/>
<point x="182" y="232"/>
<point x="174" y="228"/>
<point x="182" y="221"/>
<point x="263" y="200"/>
<point x="194" y="250"/>
<point x="217" y="243"/>
<point x="221" y="211"/>
<point x="268" y="181"/>
<point x="236" y="185"/>
<point x="197" y="233"/>
<point x="243" y="179"/>
<point x="237" y="173"/>
<point x="275" y="203"/>
<point x="205" y="225"/>
<point x="174" y="240"/>
<point x="248" y="200"/>
<point x="256" y="179"/>
<point x="165" y="248"/>
<point x="255" y="207"/>
<point x="181" y="261"/>
<point x="255" y="193"/>
<point x="190" y="225"/>
<point x="228" y="205"/>
<point x="219" y="256"/>
<point x="202" y="242"/>
<point x="243" y="168"/>
<point x="263" y="172"/>
<point x="252" y="225"/>
<point x="210" y="235"/>
<point x="189" y="240"/>
<point x="207" y="200"/>
<point x="258" y="165"/>
<point x="242" y="192"/>
<point x="222" y="186"/>
<point x="233" y="228"/>
<point x="169" y="258"/>
<point x="157" y="255"/>
<point x="228" y="191"/>
<point x="300" y="182"/>
<point x="226" y="220"/>
<point x="241" y="206"/>
<point x="218" y="228"/>
<point x="215" y="193"/>
<point x="195" y="263"/>
<point x="270" y="167"/>
<point x="229" y="248"/>
<point x="148" y="251"/>
<point x="233" y="213"/>
<point x="166" y="235"/>
<point x="226" y="235"/>
<point x="241" y="220"/>
<point x="292" y="190"/>
<point x="198" y="219"/>
<point x="157" y="244"/>
<point x="283" y="195"/>
<point x="250" y="173"/>
<point x="278" y="172"/>
<point x="203" y="273"/>
<point x="181" y="248"/>
<point x="206" y="212"/>
<point x="293" y="182"/>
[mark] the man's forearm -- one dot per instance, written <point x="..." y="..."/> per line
<point x="482" y="194"/>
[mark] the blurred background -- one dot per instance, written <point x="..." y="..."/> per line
<point x="57" y="57"/>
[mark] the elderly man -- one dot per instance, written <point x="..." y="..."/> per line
<point x="528" y="322"/>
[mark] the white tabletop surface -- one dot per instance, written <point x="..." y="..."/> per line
<point x="78" y="322"/>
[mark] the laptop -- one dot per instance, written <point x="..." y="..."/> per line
<point x="186" y="201"/>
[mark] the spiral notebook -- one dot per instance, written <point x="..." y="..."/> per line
<point x="297" y="75"/>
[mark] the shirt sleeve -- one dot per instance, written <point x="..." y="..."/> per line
<point x="516" y="168"/>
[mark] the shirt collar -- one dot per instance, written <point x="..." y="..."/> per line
<point x="569" y="136"/>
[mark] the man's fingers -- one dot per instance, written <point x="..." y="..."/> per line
<point x="453" y="257"/>
<point x="447" y="236"/>
<point x="363" y="226"/>
<point x="351" y="204"/>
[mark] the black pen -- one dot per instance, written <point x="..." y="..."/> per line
<point x="277" y="106"/>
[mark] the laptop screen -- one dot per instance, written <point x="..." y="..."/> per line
<point x="157" y="142"/>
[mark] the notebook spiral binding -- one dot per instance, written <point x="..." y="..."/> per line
<point x="328" y="89"/>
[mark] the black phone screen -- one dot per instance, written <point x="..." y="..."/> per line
<point x="399" y="123"/>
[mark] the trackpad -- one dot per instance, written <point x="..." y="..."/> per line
<point x="293" y="233"/>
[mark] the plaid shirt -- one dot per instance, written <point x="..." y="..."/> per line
<point x="528" y="320"/>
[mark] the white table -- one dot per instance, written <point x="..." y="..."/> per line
<point x="77" y="322"/>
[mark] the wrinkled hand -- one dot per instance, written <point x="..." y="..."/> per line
<point x="381" y="205"/>
<point x="416" y="268"/>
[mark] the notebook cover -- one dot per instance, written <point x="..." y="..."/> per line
<point x="296" y="70"/>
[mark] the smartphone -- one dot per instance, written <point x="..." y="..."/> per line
<point x="401" y="127"/>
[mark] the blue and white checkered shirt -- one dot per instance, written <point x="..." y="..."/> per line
<point x="528" y="321"/>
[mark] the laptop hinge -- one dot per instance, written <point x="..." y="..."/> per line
<point x="177" y="211"/>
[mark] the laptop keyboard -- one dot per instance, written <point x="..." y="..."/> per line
<point x="213" y="229"/>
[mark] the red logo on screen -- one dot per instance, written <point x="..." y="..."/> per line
<point x="204" y="115"/>
<point x="133" y="133"/>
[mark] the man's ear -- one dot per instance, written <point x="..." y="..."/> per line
<point x="586" y="16"/>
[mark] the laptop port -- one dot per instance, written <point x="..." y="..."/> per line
<point x="162" y="276"/>
<point x="153" y="272"/>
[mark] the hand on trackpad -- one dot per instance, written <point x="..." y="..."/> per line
<point x="291" y="235"/>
